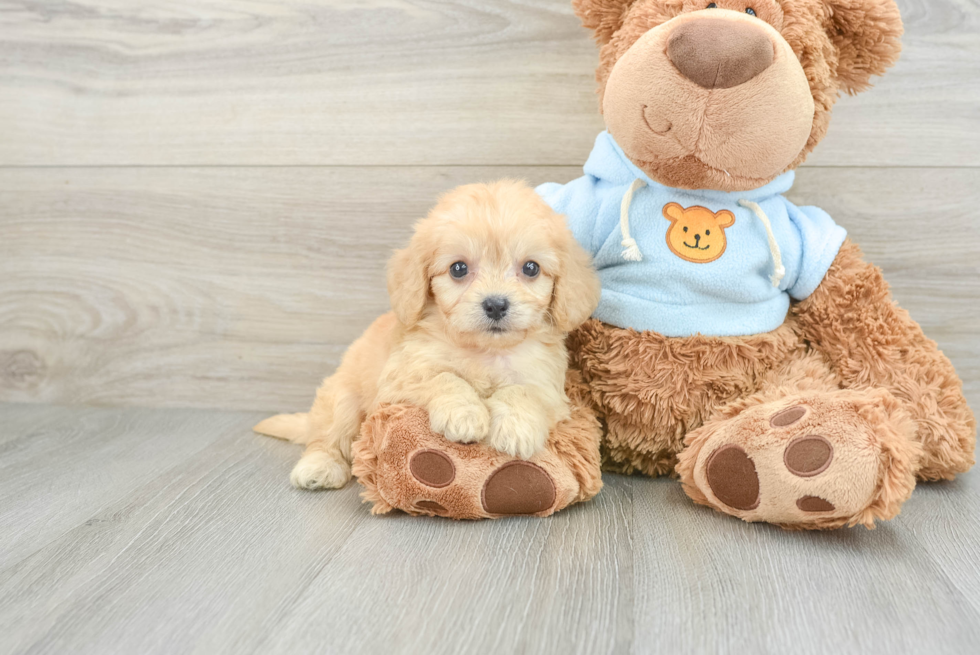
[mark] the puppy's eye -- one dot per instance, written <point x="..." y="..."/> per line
<point x="750" y="11"/>
<point x="531" y="269"/>
<point x="707" y="233"/>
<point x="458" y="270"/>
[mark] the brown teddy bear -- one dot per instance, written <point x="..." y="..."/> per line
<point x="741" y="342"/>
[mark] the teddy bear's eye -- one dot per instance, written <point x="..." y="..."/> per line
<point x="707" y="233"/>
<point x="713" y="5"/>
<point x="685" y="228"/>
<point x="750" y="11"/>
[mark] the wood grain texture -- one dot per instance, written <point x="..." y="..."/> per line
<point x="104" y="464"/>
<point x="191" y="559"/>
<point x="241" y="287"/>
<point x="386" y="82"/>
<point x="212" y="552"/>
<point x="755" y="588"/>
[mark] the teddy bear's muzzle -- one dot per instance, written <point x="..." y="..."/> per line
<point x="711" y="99"/>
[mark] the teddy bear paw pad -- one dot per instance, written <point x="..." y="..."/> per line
<point x="518" y="487"/>
<point x="808" y="462"/>
<point x="814" y="504"/>
<point x="788" y="416"/>
<point x="732" y="477"/>
<point x="432" y="468"/>
<point x="808" y="456"/>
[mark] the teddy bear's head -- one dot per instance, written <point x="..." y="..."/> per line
<point x="728" y="94"/>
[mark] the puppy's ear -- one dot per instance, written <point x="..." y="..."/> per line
<point x="408" y="281"/>
<point x="867" y="35"/>
<point x="577" y="289"/>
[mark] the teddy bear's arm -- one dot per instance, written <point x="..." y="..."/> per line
<point x="852" y="317"/>
<point x="872" y="342"/>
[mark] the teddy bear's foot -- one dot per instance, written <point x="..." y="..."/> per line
<point x="813" y="461"/>
<point x="403" y="464"/>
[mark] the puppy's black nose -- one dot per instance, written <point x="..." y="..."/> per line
<point x="496" y="307"/>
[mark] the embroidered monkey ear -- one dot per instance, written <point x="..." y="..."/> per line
<point x="725" y="218"/>
<point x="867" y="36"/>
<point x="674" y="212"/>
<point x="603" y="17"/>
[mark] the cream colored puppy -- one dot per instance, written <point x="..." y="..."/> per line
<point x="483" y="297"/>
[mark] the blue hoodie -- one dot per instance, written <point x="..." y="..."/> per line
<point x="693" y="262"/>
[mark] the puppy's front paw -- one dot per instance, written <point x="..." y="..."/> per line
<point x="516" y="430"/>
<point x="320" y="471"/>
<point x="459" y="419"/>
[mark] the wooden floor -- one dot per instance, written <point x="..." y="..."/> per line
<point x="175" y="531"/>
<point x="196" y="202"/>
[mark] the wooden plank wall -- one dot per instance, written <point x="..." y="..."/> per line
<point x="197" y="198"/>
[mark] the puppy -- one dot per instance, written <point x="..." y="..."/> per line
<point x="482" y="299"/>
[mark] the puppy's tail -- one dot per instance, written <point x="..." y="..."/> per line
<point x="291" y="427"/>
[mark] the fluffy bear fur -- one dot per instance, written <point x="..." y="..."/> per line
<point x="866" y="376"/>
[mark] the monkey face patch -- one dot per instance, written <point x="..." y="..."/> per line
<point x="697" y="234"/>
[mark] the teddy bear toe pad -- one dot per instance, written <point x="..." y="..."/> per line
<point x="731" y="475"/>
<point x="432" y="468"/>
<point x="790" y="465"/>
<point x="518" y="488"/>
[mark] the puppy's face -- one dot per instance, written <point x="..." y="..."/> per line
<point x="491" y="265"/>
<point x="491" y="277"/>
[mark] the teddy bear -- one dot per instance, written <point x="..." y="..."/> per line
<point x="742" y="343"/>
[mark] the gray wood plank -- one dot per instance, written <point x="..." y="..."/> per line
<point x="217" y="554"/>
<point x="562" y="585"/>
<point x="943" y="519"/>
<point x="706" y="583"/>
<point x="241" y="287"/>
<point x="201" y="557"/>
<point x="220" y="555"/>
<point x="72" y="463"/>
<point x="344" y="82"/>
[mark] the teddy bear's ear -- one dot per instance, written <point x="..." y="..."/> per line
<point x="867" y="35"/>
<point x="603" y="17"/>
<point x="673" y="212"/>
<point x="725" y="218"/>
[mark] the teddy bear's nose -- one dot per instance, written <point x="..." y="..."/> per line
<point x="718" y="53"/>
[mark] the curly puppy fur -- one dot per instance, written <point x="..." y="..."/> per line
<point x="484" y="373"/>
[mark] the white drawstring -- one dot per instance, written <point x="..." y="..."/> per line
<point x="632" y="252"/>
<point x="779" y="272"/>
